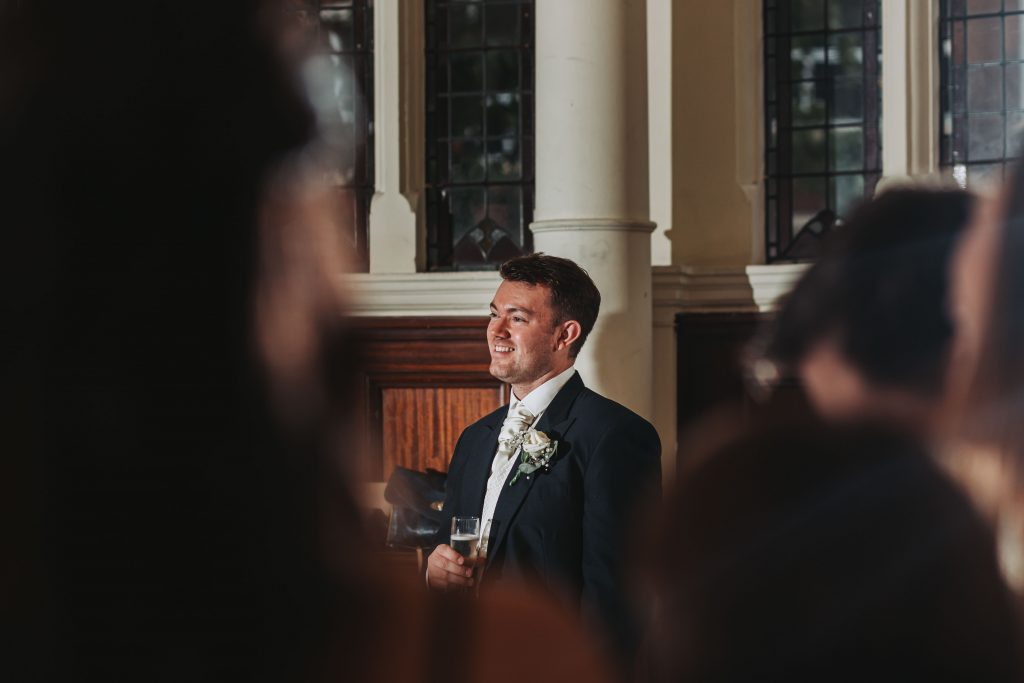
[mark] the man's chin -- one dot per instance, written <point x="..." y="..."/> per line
<point x="500" y="373"/>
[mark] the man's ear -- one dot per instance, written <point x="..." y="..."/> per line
<point x="568" y="333"/>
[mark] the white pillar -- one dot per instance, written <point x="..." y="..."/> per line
<point x="909" y="84"/>
<point x="393" y="237"/>
<point x="592" y="177"/>
<point x="659" y="146"/>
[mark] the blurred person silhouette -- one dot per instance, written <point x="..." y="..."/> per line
<point x="177" y="376"/>
<point x="801" y="551"/>
<point x="169" y="521"/>
<point x="988" y="305"/>
<point x="986" y="409"/>
<point x="867" y="328"/>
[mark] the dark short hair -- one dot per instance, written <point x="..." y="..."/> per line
<point x="574" y="295"/>
<point x="880" y="289"/>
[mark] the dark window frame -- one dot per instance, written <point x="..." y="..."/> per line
<point x="356" y="195"/>
<point x="955" y="70"/>
<point x="440" y="140"/>
<point x="785" y="241"/>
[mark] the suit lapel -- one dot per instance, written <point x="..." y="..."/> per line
<point x="554" y="422"/>
<point x="478" y="467"/>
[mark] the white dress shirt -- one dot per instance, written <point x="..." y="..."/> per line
<point x="537" y="401"/>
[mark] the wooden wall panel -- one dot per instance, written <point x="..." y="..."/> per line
<point x="710" y="371"/>
<point x="424" y="380"/>
<point x="422" y="425"/>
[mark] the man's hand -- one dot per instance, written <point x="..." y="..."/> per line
<point x="446" y="568"/>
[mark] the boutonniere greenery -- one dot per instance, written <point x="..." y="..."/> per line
<point x="537" y="450"/>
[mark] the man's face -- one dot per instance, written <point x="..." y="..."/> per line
<point x="523" y="337"/>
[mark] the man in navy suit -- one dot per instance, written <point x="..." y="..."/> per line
<point x="562" y="527"/>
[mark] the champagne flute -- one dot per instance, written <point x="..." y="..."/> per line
<point x="465" y="538"/>
<point x="485" y="537"/>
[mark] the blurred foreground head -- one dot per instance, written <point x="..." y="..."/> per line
<point x="988" y="304"/>
<point x="163" y="303"/>
<point x="866" y="328"/>
<point x="795" y="552"/>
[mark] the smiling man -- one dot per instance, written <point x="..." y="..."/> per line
<point x="559" y="520"/>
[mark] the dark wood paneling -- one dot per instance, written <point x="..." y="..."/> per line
<point x="708" y="362"/>
<point x="424" y="380"/>
<point x="441" y="346"/>
<point x="422" y="424"/>
<point x="710" y="371"/>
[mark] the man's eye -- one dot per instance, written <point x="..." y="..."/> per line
<point x="518" y="319"/>
<point x="493" y="315"/>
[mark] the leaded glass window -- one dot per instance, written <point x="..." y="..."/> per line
<point x="479" y="137"/>
<point x="333" y="40"/>
<point x="822" y="86"/>
<point x="982" y="86"/>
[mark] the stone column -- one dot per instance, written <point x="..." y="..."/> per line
<point x="910" y="123"/>
<point x="592" y="202"/>
<point x="393" y="235"/>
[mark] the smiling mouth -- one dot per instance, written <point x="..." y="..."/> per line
<point x="503" y="349"/>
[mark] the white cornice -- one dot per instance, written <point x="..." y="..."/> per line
<point x="679" y="288"/>
<point x="675" y="289"/>
<point x="561" y="225"/>
<point x="770" y="283"/>
<point x="696" y="289"/>
<point x="421" y="294"/>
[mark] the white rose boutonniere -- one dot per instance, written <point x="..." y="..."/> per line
<point x="537" y="450"/>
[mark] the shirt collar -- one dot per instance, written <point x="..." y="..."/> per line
<point x="538" y="400"/>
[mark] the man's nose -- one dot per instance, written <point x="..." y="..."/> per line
<point x="497" y="327"/>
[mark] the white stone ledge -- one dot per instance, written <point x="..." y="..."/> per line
<point x="682" y="288"/>
<point x="696" y="289"/>
<point x="770" y="283"/>
<point x="421" y="294"/>
<point x="675" y="289"/>
<point x="569" y="224"/>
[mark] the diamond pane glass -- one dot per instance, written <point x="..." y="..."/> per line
<point x="981" y="61"/>
<point x="479" y="163"/>
<point x="336" y="40"/>
<point x="822" y="117"/>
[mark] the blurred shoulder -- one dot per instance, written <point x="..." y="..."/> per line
<point x="509" y="635"/>
<point x="534" y="640"/>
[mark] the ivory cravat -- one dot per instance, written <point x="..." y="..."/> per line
<point x="518" y="421"/>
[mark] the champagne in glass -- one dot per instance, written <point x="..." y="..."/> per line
<point x="485" y="537"/>
<point x="465" y="538"/>
<point x="466" y="545"/>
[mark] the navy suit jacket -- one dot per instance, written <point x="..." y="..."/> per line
<point x="565" y="529"/>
